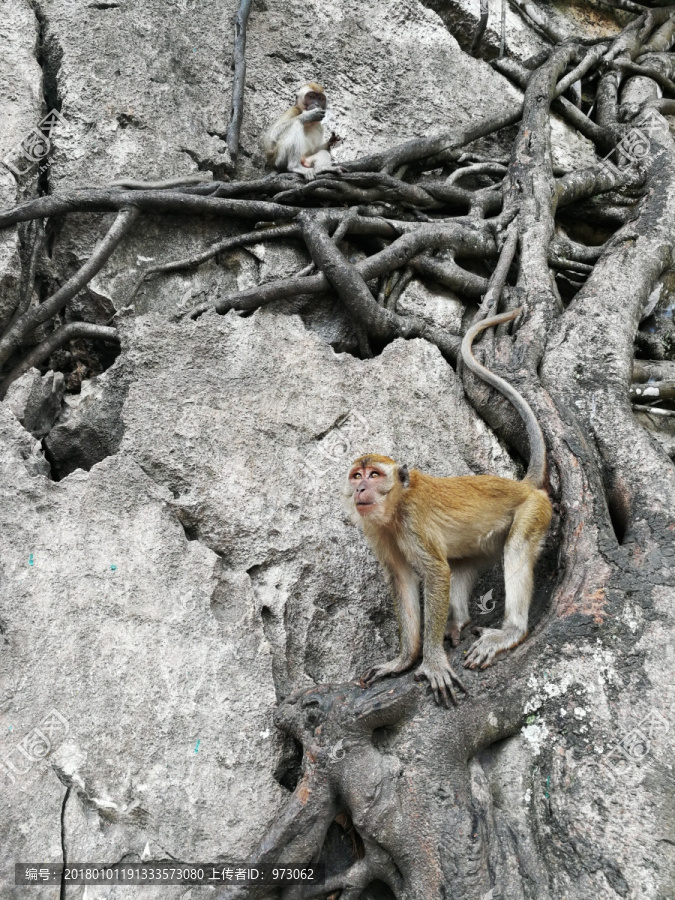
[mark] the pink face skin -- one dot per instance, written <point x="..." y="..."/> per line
<point x="368" y="487"/>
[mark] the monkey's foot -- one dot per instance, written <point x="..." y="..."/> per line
<point x="331" y="170"/>
<point x="440" y="676"/>
<point x="394" y="667"/>
<point x="491" y="642"/>
<point x="454" y="631"/>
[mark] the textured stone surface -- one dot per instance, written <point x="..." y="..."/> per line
<point x="21" y="105"/>
<point x="89" y="426"/>
<point x="251" y="423"/>
<point x="36" y="400"/>
<point x="107" y="617"/>
<point x="436" y="305"/>
<point x="160" y="599"/>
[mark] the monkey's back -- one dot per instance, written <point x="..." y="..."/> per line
<point x="456" y="515"/>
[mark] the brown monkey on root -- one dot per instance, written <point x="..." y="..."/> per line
<point x="443" y="531"/>
<point x="295" y="143"/>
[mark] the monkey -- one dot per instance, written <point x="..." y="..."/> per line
<point x="295" y="143"/>
<point x="442" y="531"/>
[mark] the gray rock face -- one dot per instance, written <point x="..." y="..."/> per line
<point x="147" y="113"/>
<point x="437" y="306"/>
<point x="90" y="426"/>
<point x="36" y="400"/>
<point x="251" y="425"/>
<point x="21" y="103"/>
<point x="183" y="584"/>
<point x="107" y="620"/>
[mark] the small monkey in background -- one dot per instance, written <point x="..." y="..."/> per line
<point x="295" y="143"/>
<point x="443" y="531"/>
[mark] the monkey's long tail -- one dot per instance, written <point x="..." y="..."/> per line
<point x="536" y="470"/>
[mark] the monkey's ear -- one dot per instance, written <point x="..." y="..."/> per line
<point x="404" y="476"/>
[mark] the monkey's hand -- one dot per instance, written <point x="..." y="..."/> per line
<point x="311" y="115"/>
<point x="491" y="642"/>
<point x="394" y="667"/>
<point x="333" y="140"/>
<point x="440" y="676"/>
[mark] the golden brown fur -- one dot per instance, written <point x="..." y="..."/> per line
<point x="442" y="531"/>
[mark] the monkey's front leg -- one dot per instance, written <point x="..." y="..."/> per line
<point x="405" y="588"/>
<point x="435" y="666"/>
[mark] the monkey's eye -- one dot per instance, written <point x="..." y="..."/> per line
<point x="356" y="476"/>
<point x="374" y="474"/>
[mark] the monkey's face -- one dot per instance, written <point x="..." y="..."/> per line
<point x="369" y="485"/>
<point x="311" y="100"/>
<point x="370" y="480"/>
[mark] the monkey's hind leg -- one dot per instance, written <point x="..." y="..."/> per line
<point x="520" y="554"/>
<point x="464" y="576"/>
<point x="321" y="162"/>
